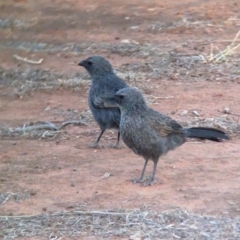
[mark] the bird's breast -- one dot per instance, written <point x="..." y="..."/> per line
<point x="130" y="131"/>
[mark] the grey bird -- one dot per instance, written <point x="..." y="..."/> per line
<point x="105" y="83"/>
<point x="151" y="134"/>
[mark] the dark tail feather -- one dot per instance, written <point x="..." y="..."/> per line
<point x="212" y="134"/>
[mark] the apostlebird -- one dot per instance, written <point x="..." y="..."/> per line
<point x="105" y="83"/>
<point x="151" y="134"/>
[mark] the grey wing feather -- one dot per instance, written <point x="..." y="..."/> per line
<point x="110" y="84"/>
<point x="163" y="124"/>
<point x="104" y="101"/>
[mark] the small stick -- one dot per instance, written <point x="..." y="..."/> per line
<point x="163" y="97"/>
<point x="75" y="122"/>
<point x="48" y="126"/>
<point x="37" y="127"/>
<point x="28" y="60"/>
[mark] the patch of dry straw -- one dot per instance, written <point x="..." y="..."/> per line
<point x="4" y="197"/>
<point x="134" y="224"/>
<point x="225" y="52"/>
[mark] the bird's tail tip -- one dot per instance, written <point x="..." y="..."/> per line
<point x="211" y="134"/>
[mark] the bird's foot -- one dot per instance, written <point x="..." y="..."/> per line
<point x="117" y="145"/>
<point x="152" y="182"/>
<point x="148" y="183"/>
<point x="95" y="145"/>
<point x="138" y="180"/>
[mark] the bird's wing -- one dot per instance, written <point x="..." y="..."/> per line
<point x="163" y="124"/>
<point x="110" y="84"/>
<point x="104" y="101"/>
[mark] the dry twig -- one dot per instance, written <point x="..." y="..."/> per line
<point x="38" y="129"/>
<point x="28" y="60"/>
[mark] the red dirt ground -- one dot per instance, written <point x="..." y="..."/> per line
<point x="64" y="174"/>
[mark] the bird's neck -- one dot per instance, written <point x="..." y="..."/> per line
<point x="134" y="110"/>
<point x="99" y="74"/>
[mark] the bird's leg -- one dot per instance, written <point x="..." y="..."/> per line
<point x="152" y="180"/>
<point x="117" y="145"/>
<point x="139" y="180"/>
<point x="95" y="144"/>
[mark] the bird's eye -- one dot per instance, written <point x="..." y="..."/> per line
<point x="121" y="96"/>
<point x="89" y="63"/>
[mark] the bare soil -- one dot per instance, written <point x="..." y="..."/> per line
<point x="139" y="38"/>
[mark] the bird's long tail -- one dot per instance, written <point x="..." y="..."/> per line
<point x="212" y="134"/>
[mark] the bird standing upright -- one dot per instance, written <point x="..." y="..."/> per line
<point x="151" y="134"/>
<point x="105" y="83"/>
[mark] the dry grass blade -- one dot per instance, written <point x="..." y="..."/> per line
<point x="125" y="223"/>
<point x="27" y="60"/>
<point x="226" y="52"/>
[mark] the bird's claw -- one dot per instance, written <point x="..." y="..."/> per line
<point x="138" y="180"/>
<point x="148" y="183"/>
<point x="117" y="145"/>
<point x="95" y="145"/>
<point x="152" y="182"/>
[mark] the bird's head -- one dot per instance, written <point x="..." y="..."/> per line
<point x="129" y="99"/>
<point x="96" y="66"/>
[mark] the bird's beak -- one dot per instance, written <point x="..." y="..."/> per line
<point x="82" y="63"/>
<point x="117" y="98"/>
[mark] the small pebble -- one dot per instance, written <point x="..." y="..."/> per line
<point x="226" y="110"/>
<point x="196" y="113"/>
<point x="125" y="41"/>
<point x="33" y="193"/>
<point x="183" y="113"/>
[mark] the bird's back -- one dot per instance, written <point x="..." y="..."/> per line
<point x="150" y="133"/>
<point x="167" y="129"/>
